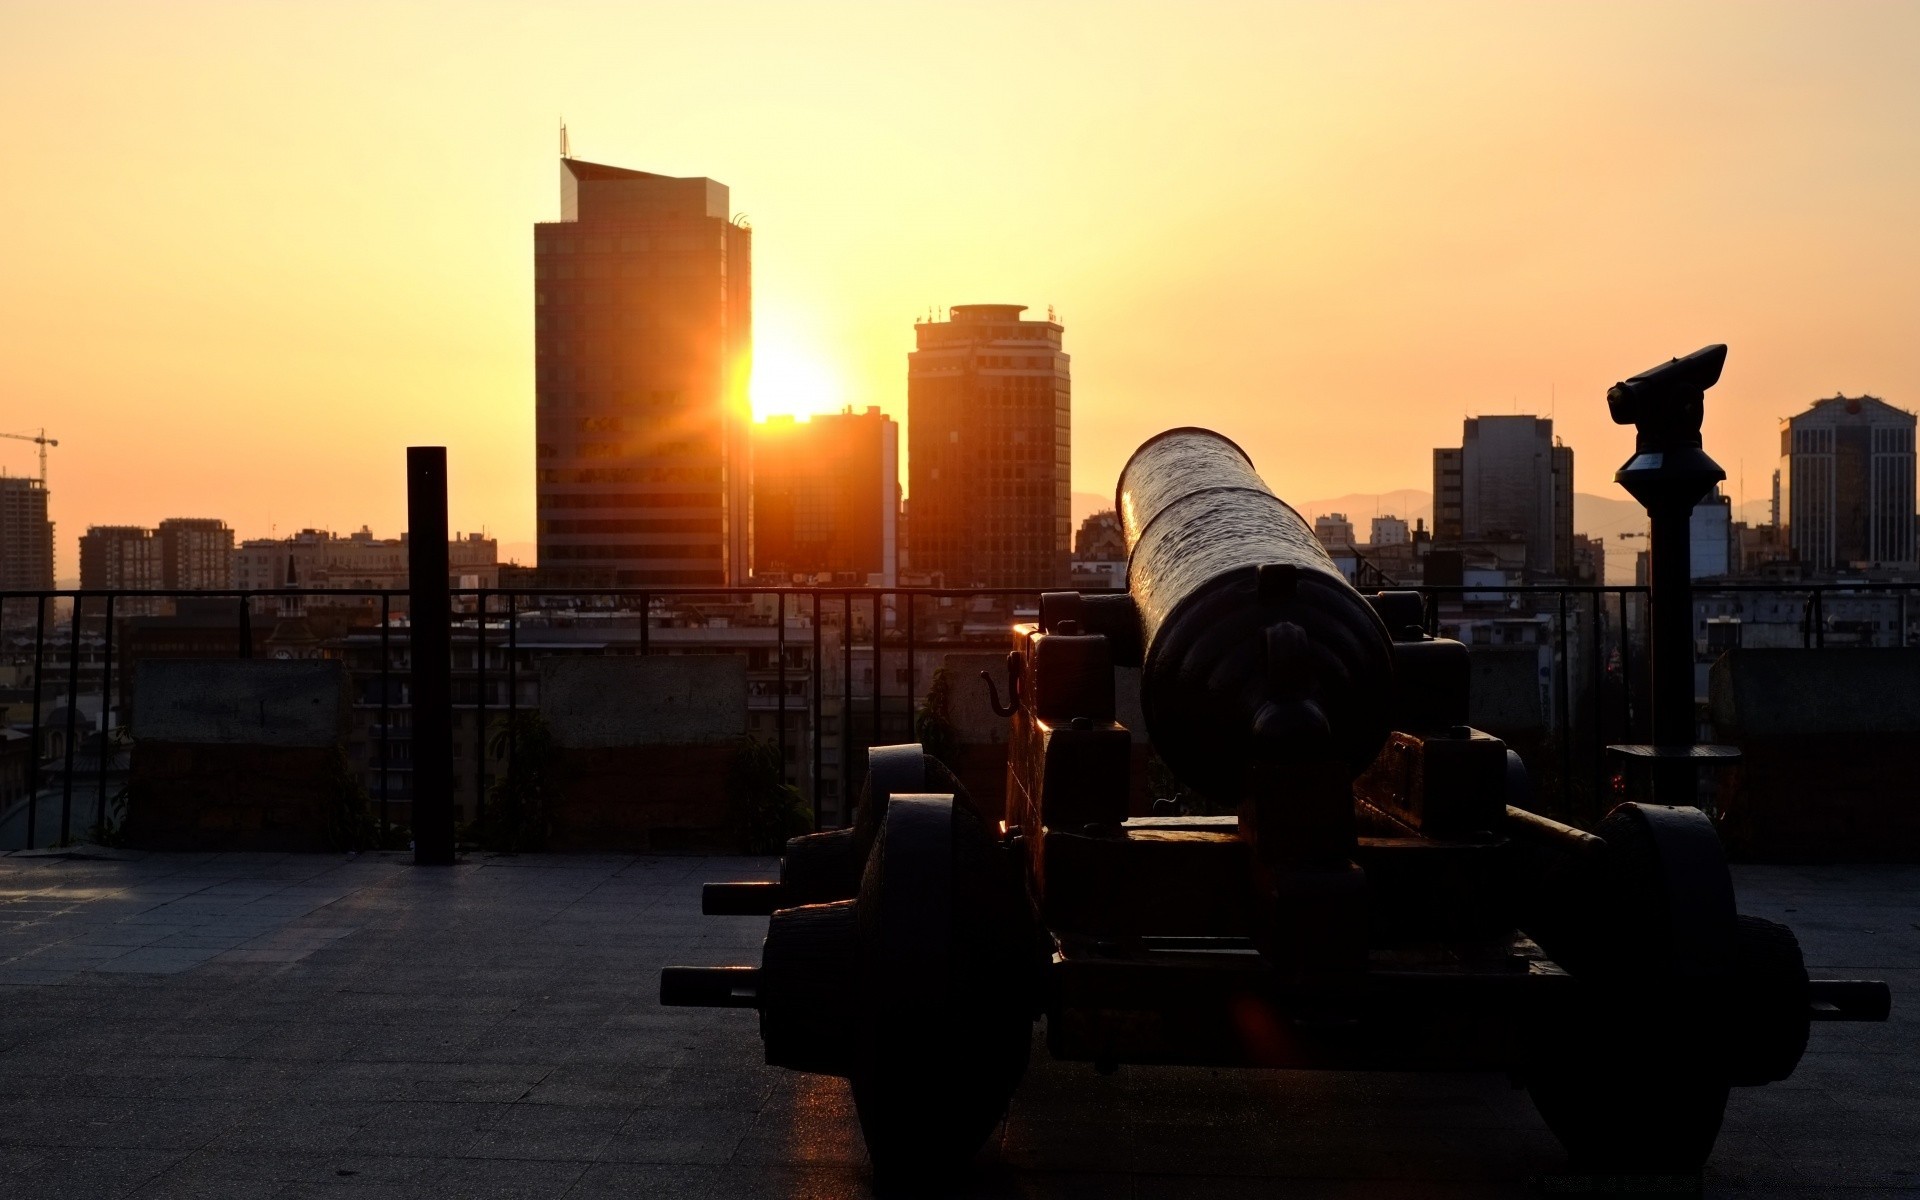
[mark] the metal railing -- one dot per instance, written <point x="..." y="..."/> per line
<point x="1601" y="709"/>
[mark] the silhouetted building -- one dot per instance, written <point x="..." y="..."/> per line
<point x="826" y="496"/>
<point x="120" y="558"/>
<point x="1589" y="560"/>
<point x="989" y="419"/>
<point x="315" y="558"/>
<point x="1100" y="538"/>
<point x="1508" y="481"/>
<point x="195" y="552"/>
<point x="1848" y="483"/>
<point x="643" y="333"/>
<point x="26" y="536"/>
<point x="183" y="553"/>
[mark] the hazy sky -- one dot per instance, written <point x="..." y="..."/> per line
<point x="249" y="252"/>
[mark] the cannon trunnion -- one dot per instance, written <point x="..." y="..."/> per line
<point x="1351" y="878"/>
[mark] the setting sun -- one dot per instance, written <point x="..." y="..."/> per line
<point x="790" y="377"/>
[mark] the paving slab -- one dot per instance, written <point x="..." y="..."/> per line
<point x="306" y="1025"/>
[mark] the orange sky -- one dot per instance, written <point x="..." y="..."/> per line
<point x="248" y="252"/>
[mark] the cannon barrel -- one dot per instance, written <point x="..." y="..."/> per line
<point x="1254" y="648"/>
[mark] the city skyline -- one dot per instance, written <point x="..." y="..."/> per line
<point x="1406" y="221"/>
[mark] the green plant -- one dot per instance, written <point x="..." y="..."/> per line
<point x="517" y="814"/>
<point x="763" y="808"/>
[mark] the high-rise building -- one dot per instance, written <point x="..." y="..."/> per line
<point x="26" y="536"/>
<point x="989" y="436"/>
<point x="642" y="294"/>
<point x="826" y="496"/>
<point x="120" y="558"/>
<point x="195" y="552"/>
<point x="1847" y="483"/>
<point x="1508" y="481"/>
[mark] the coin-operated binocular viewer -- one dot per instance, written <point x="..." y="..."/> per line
<point x="1374" y="895"/>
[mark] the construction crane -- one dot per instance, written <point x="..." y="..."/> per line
<point x="43" y="441"/>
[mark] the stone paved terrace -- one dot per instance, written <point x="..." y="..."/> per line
<point x="242" y="1025"/>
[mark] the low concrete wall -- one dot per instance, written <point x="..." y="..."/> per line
<point x="656" y="700"/>
<point x="241" y="702"/>
<point x="645" y="745"/>
<point x="1828" y="738"/>
<point x="238" y="754"/>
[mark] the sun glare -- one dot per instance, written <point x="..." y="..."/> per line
<point x="790" y="377"/>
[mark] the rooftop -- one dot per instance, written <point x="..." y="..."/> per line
<point x="300" y="1025"/>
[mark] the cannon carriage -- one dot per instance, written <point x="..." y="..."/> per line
<point x="1372" y="891"/>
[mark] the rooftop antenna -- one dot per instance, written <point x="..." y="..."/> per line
<point x="566" y="151"/>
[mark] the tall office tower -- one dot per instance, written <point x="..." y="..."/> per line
<point x="120" y="558"/>
<point x="643" y="334"/>
<point x="1507" y="481"/>
<point x="26" y="536"/>
<point x="989" y="449"/>
<point x="195" y="552"/>
<point x="826" y="496"/>
<point x="1847" y="483"/>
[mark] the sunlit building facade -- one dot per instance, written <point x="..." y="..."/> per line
<point x="826" y="498"/>
<point x="642" y="295"/>
<point x="989" y="449"/>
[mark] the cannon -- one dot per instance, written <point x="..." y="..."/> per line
<point x="1355" y="879"/>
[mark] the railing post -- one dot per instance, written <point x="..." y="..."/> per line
<point x="816" y="707"/>
<point x="479" y="700"/>
<point x="873" y="732"/>
<point x="106" y="713"/>
<point x="780" y="684"/>
<point x="1565" y="710"/>
<point x="432" y="667"/>
<point x="513" y="684"/>
<point x="913" y="696"/>
<point x="73" y="718"/>
<point x="386" y="711"/>
<point x="246" y="625"/>
<point x="33" y="759"/>
<point x="846" y="708"/>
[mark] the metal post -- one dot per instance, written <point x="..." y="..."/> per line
<point x="386" y="709"/>
<point x="1670" y="625"/>
<point x="1626" y="668"/>
<point x="246" y="626"/>
<point x="513" y="684"/>
<point x="780" y="679"/>
<point x="73" y="719"/>
<point x="1597" y="668"/>
<point x="432" y="666"/>
<point x="106" y="712"/>
<point x="33" y="759"/>
<point x="479" y="700"/>
<point x="873" y="732"/>
<point x="1819" y="619"/>
<point x="646" y="622"/>
<point x="816" y="707"/>
<point x="913" y="697"/>
<point x="1564" y="709"/>
<point x="846" y="707"/>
